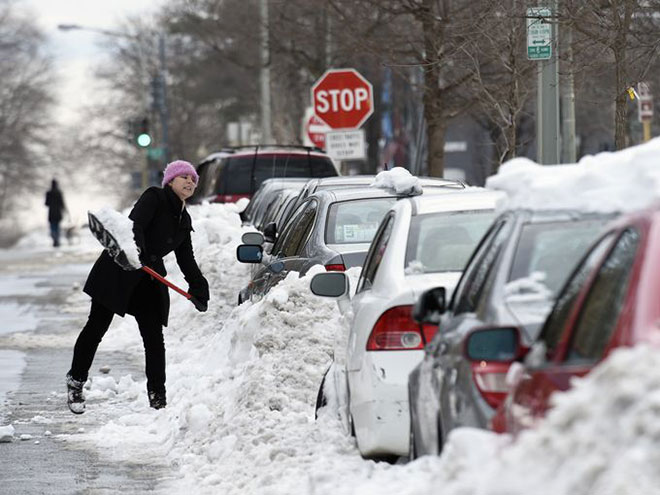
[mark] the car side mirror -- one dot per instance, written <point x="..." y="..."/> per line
<point x="252" y="238"/>
<point x="249" y="253"/>
<point x="270" y="232"/>
<point x="330" y="284"/>
<point x="430" y="305"/>
<point x="494" y="344"/>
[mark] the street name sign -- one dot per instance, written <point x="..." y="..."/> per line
<point x="539" y="33"/>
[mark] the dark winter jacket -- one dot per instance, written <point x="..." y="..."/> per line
<point x="160" y="226"/>
<point x="55" y="204"/>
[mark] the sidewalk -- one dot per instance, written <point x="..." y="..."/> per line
<point x="39" y="460"/>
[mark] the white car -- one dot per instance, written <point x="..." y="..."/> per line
<point x="422" y="242"/>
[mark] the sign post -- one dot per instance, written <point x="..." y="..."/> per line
<point x="645" y="108"/>
<point x="541" y="33"/>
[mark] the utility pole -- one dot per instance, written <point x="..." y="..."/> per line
<point x="569" y="151"/>
<point x="266" y="132"/>
<point x="547" y="115"/>
<point x="163" y="109"/>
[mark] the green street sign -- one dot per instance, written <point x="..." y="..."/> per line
<point x="539" y="34"/>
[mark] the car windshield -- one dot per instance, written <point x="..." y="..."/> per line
<point x="545" y="255"/>
<point x="356" y="221"/>
<point x="444" y="241"/>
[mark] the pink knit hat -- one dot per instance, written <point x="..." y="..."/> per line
<point x="176" y="168"/>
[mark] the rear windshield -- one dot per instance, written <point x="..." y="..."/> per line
<point x="443" y="242"/>
<point x="237" y="176"/>
<point x="353" y="222"/>
<point x="547" y="252"/>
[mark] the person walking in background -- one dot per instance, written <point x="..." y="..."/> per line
<point x="56" y="207"/>
<point x="161" y="225"/>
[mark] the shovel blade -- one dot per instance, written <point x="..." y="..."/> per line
<point x="109" y="242"/>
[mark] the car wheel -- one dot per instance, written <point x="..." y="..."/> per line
<point x="412" y="451"/>
<point x="321" y="399"/>
<point x="441" y="439"/>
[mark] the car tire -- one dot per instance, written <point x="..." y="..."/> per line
<point x="412" y="451"/>
<point x="441" y="440"/>
<point x="321" y="399"/>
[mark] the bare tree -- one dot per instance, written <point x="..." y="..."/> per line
<point x="626" y="32"/>
<point x="25" y="97"/>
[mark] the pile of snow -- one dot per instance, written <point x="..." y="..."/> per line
<point x="398" y="179"/>
<point x="121" y="228"/>
<point x="624" y="180"/>
<point x="601" y="438"/>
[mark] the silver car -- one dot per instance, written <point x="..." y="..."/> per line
<point x="512" y="279"/>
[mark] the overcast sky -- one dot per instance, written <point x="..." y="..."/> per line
<point x="76" y="51"/>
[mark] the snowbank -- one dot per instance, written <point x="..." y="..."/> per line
<point x="624" y="180"/>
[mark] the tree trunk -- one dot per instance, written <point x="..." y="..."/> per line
<point x="620" y="60"/>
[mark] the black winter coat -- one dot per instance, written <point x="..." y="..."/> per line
<point x="160" y="226"/>
<point x="55" y="204"/>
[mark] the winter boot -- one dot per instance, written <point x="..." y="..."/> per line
<point x="75" y="398"/>
<point x="157" y="400"/>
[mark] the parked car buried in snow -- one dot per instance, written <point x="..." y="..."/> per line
<point x="610" y="301"/>
<point x="422" y="242"/>
<point x="511" y="279"/>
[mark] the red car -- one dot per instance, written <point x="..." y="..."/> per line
<point x="610" y="300"/>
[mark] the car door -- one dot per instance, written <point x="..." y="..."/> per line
<point x="364" y="300"/>
<point x="453" y="374"/>
<point x="579" y="329"/>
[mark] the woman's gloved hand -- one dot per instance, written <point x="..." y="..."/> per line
<point x="200" y="294"/>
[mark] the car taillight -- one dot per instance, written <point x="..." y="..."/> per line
<point x="335" y="267"/>
<point x="395" y="330"/>
<point x="490" y="379"/>
<point x="228" y="198"/>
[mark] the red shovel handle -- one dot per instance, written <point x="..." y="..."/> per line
<point x="162" y="279"/>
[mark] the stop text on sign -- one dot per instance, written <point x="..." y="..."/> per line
<point x="342" y="98"/>
<point x="345" y="100"/>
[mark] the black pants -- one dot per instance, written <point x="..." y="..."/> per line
<point x="144" y="306"/>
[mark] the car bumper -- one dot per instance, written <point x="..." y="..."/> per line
<point x="379" y="402"/>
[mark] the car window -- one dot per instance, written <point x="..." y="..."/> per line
<point x="375" y="254"/>
<point x="299" y="232"/>
<point x="554" y="325"/>
<point x="480" y="266"/>
<point x="355" y="221"/>
<point x="443" y="242"/>
<point x="236" y="176"/>
<point x="602" y="307"/>
<point x="547" y="251"/>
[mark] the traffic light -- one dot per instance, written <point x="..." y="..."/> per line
<point x="143" y="138"/>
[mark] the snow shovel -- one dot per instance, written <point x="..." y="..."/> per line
<point x="109" y="242"/>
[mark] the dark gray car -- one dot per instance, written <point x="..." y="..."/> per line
<point x="332" y="228"/>
<point x="512" y="279"/>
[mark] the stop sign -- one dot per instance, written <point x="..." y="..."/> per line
<point x="316" y="130"/>
<point x="342" y="98"/>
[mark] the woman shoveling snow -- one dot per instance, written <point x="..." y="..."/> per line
<point x="161" y="225"/>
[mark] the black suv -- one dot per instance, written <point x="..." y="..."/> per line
<point x="236" y="173"/>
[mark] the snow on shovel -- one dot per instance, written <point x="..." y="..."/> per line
<point x="115" y="233"/>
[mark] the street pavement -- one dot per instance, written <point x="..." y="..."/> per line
<point x="40" y="460"/>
